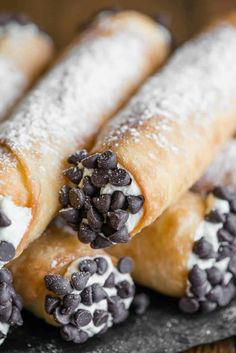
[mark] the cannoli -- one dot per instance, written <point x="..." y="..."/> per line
<point x="189" y="252"/>
<point x="159" y="144"/>
<point x="24" y="52"/>
<point x="69" y="285"/>
<point x="98" y="72"/>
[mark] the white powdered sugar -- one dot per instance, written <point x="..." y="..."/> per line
<point x="198" y="82"/>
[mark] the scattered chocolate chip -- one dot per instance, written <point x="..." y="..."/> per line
<point x="82" y="317"/>
<point x="107" y="160"/>
<point x="64" y="195"/>
<point x="110" y="281"/>
<point x="70" y="215"/>
<point x="215" y="294"/>
<point x="102" y="203"/>
<point x="125" y="289"/>
<point x="224" y="236"/>
<point x="119" y="177"/>
<point x="15" y="318"/>
<point x="5" y="311"/>
<point x="100" y="243"/>
<point x="51" y="303"/>
<point x="118" y="200"/>
<point x="223" y="192"/>
<point x="86" y="234"/>
<point x="207" y="306"/>
<point x="200" y="291"/>
<point x="77" y="157"/>
<point x="4" y="220"/>
<point x="135" y="203"/>
<point x="74" y="174"/>
<point x="214" y="275"/>
<point x="90" y="162"/>
<point x="57" y="284"/>
<point x="197" y="276"/>
<point x="102" y="265"/>
<point x="86" y="296"/>
<point x="203" y="249"/>
<point x="70" y="303"/>
<point x="81" y="337"/>
<point x="76" y="197"/>
<point x="125" y="265"/>
<point x="61" y="318"/>
<point x="140" y="303"/>
<point x="79" y="280"/>
<point x="100" y="317"/>
<point x="95" y="219"/>
<point x="230" y="223"/>
<point x="117" y="219"/>
<point x="5" y="294"/>
<point x="5" y="276"/>
<point x="120" y="236"/>
<point x="98" y="293"/>
<point x="88" y="187"/>
<point x="215" y="216"/>
<point x="7" y="251"/>
<point x="189" y="305"/>
<point x="99" y="178"/>
<point x="88" y="265"/>
<point x="68" y="332"/>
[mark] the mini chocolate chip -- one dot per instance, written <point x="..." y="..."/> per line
<point x="102" y="203"/>
<point x="208" y="306"/>
<point x="223" y="192"/>
<point x="230" y="223"/>
<point x="90" y="162"/>
<point x="197" y="276"/>
<point x="140" y="303"/>
<point x="5" y="311"/>
<point x="110" y="281"/>
<point x="125" y="265"/>
<point x="117" y="219"/>
<point x="4" y="220"/>
<point x="68" y="332"/>
<point x="107" y="160"/>
<point x="74" y="174"/>
<point x="135" y="203"/>
<point x="81" y="337"/>
<point x="203" y="249"/>
<point x="100" y="317"/>
<point x="95" y="220"/>
<point x="5" y="275"/>
<point x="86" y="296"/>
<point x="118" y="200"/>
<point x="102" y="265"/>
<point x="100" y="243"/>
<point x="61" y="318"/>
<point x="99" y="178"/>
<point x="125" y="289"/>
<point x="57" y="284"/>
<point x="215" y="216"/>
<point x="189" y="305"/>
<point x="200" y="291"/>
<point x="232" y="265"/>
<point x="51" y="303"/>
<point x="82" y="317"/>
<point x="224" y="236"/>
<point x="7" y="251"/>
<point x="107" y="230"/>
<point x="88" y="265"/>
<point x="214" y="275"/>
<point x="70" y="215"/>
<point x="233" y="205"/>
<point x="64" y="195"/>
<point x="120" y="236"/>
<point x="228" y="294"/>
<point x="15" y="318"/>
<point x="5" y="293"/>
<point x="98" y="293"/>
<point x="77" y="157"/>
<point x="70" y="303"/>
<point x="215" y="294"/>
<point x="76" y="197"/>
<point x="79" y="280"/>
<point x="88" y="187"/>
<point x="86" y="234"/>
<point x="115" y="307"/>
<point x="119" y="177"/>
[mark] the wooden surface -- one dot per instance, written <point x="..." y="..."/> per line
<point x="61" y="18"/>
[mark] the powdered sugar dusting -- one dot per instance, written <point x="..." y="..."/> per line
<point x="198" y="81"/>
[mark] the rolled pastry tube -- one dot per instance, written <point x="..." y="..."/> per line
<point x="189" y="252"/>
<point x="25" y="51"/>
<point x="82" y="291"/>
<point x="162" y="141"/>
<point x="94" y="77"/>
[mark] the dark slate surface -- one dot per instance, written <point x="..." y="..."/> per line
<point x="162" y="329"/>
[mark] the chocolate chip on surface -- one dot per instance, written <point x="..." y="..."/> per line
<point x="5" y="275"/>
<point x="79" y="280"/>
<point x="64" y="195"/>
<point x="207" y="306"/>
<point x="100" y="317"/>
<point x="76" y="197"/>
<point x="17" y="300"/>
<point x="57" y="284"/>
<point x="125" y="289"/>
<point x="110" y="281"/>
<point x="200" y="291"/>
<point x="228" y="294"/>
<point x="118" y="200"/>
<point x="215" y="216"/>
<point x="215" y="294"/>
<point x="86" y="234"/>
<point x="120" y="236"/>
<point x="102" y="265"/>
<point x="223" y="252"/>
<point x="102" y="203"/>
<point x="61" y="318"/>
<point x="100" y="243"/>
<point x="98" y="293"/>
<point x="74" y="174"/>
<point x="140" y="303"/>
<point x="88" y="188"/>
<point x="203" y="249"/>
<point x="117" y="219"/>
<point x="81" y="337"/>
<point x="125" y="265"/>
<point x="88" y="265"/>
<point x="223" y="192"/>
<point x="70" y="303"/>
<point x="214" y="275"/>
<point x="77" y="157"/>
<point x="95" y="219"/>
<point x="107" y="160"/>
<point x="86" y="296"/>
<point x="70" y="215"/>
<point x="232" y="265"/>
<point x="5" y="294"/>
<point x="5" y="311"/>
<point x="99" y="178"/>
<point x="189" y="305"/>
<point x="82" y="317"/>
<point x="68" y="332"/>
<point x="7" y="251"/>
<point x="15" y="318"/>
<point x="224" y="236"/>
<point x="4" y="220"/>
<point x="90" y="162"/>
<point x="197" y="276"/>
<point x="51" y="303"/>
<point x="107" y="230"/>
<point x="119" y="177"/>
<point x="230" y="223"/>
<point x="135" y="203"/>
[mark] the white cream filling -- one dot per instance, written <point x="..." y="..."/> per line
<point x="15" y="29"/>
<point x="91" y="329"/>
<point x="209" y="231"/>
<point x="20" y="218"/>
<point x="4" y="328"/>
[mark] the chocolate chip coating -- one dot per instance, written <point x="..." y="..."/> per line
<point x="203" y="248"/>
<point x="5" y="311"/>
<point x="90" y="162"/>
<point x="207" y="306"/>
<point x="5" y="275"/>
<point x="15" y="318"/>
<point x="70" y="303"/>
<point x="64" y="195"/>
<point x="135" y="203"/>
<point x="100" y="317"/>
<point x="140" y="303"/>
<point x="118" y="200"/>
<point x="77" y="157"/>
<point x="86" y="296"/>
<point x="7" y="251"/>
<point x="125" y="265"/>
<point x="224" y="236"/>
<point x="189" y="305"/>
<point x="88" y="188"/>
<point x="120" y="236"/>
<point x="223" y="192"/>
<point x="215" y="294"/>
<point x="4" y="220"/>
<point x="86" y="234"/>
<point x="95" y="219"/>
<point x="214" y="275"/>
<point x="79" y="280"/>
<point x="117" y="219"/>
<point x="98" y="293"/>
<point x="230" y="223"/>
<point x="125" y="289"/>
<point x="51" y="303"/>
<point x="74" y="174"/>
<point x="102" y="265"/>
<point x="81" y="337"/>
<point x="99" y="178"/>
<point x="215" y="216"/>
<point x="102" y="203"/>
<point x="82" y="318"/>
<point x="68" y="332"/>
<point x="88" y="265"/>
<point x="107" y="160"/>
<point x="100" y="243"/>
<point x="57" y="284"/>
<point x="5" y="294"/>
<point x="60" y="318"/>
<point x="197" y="276"/>
<point x="200" y="291"/>
<point x="76" y="197"/>
<point x="70" y="215"/>
<point x="119" y="177"/>
<point x="110" y="281"/>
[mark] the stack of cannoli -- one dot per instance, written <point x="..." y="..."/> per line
<point x="110" y="175"/>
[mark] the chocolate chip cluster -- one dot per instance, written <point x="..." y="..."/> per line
<point x="208" y="287"/>
<point x="100" y="218"/>
<point x="10" y="301"/>
<point x="66" y="306"/>
<point x="7" y="250"/>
